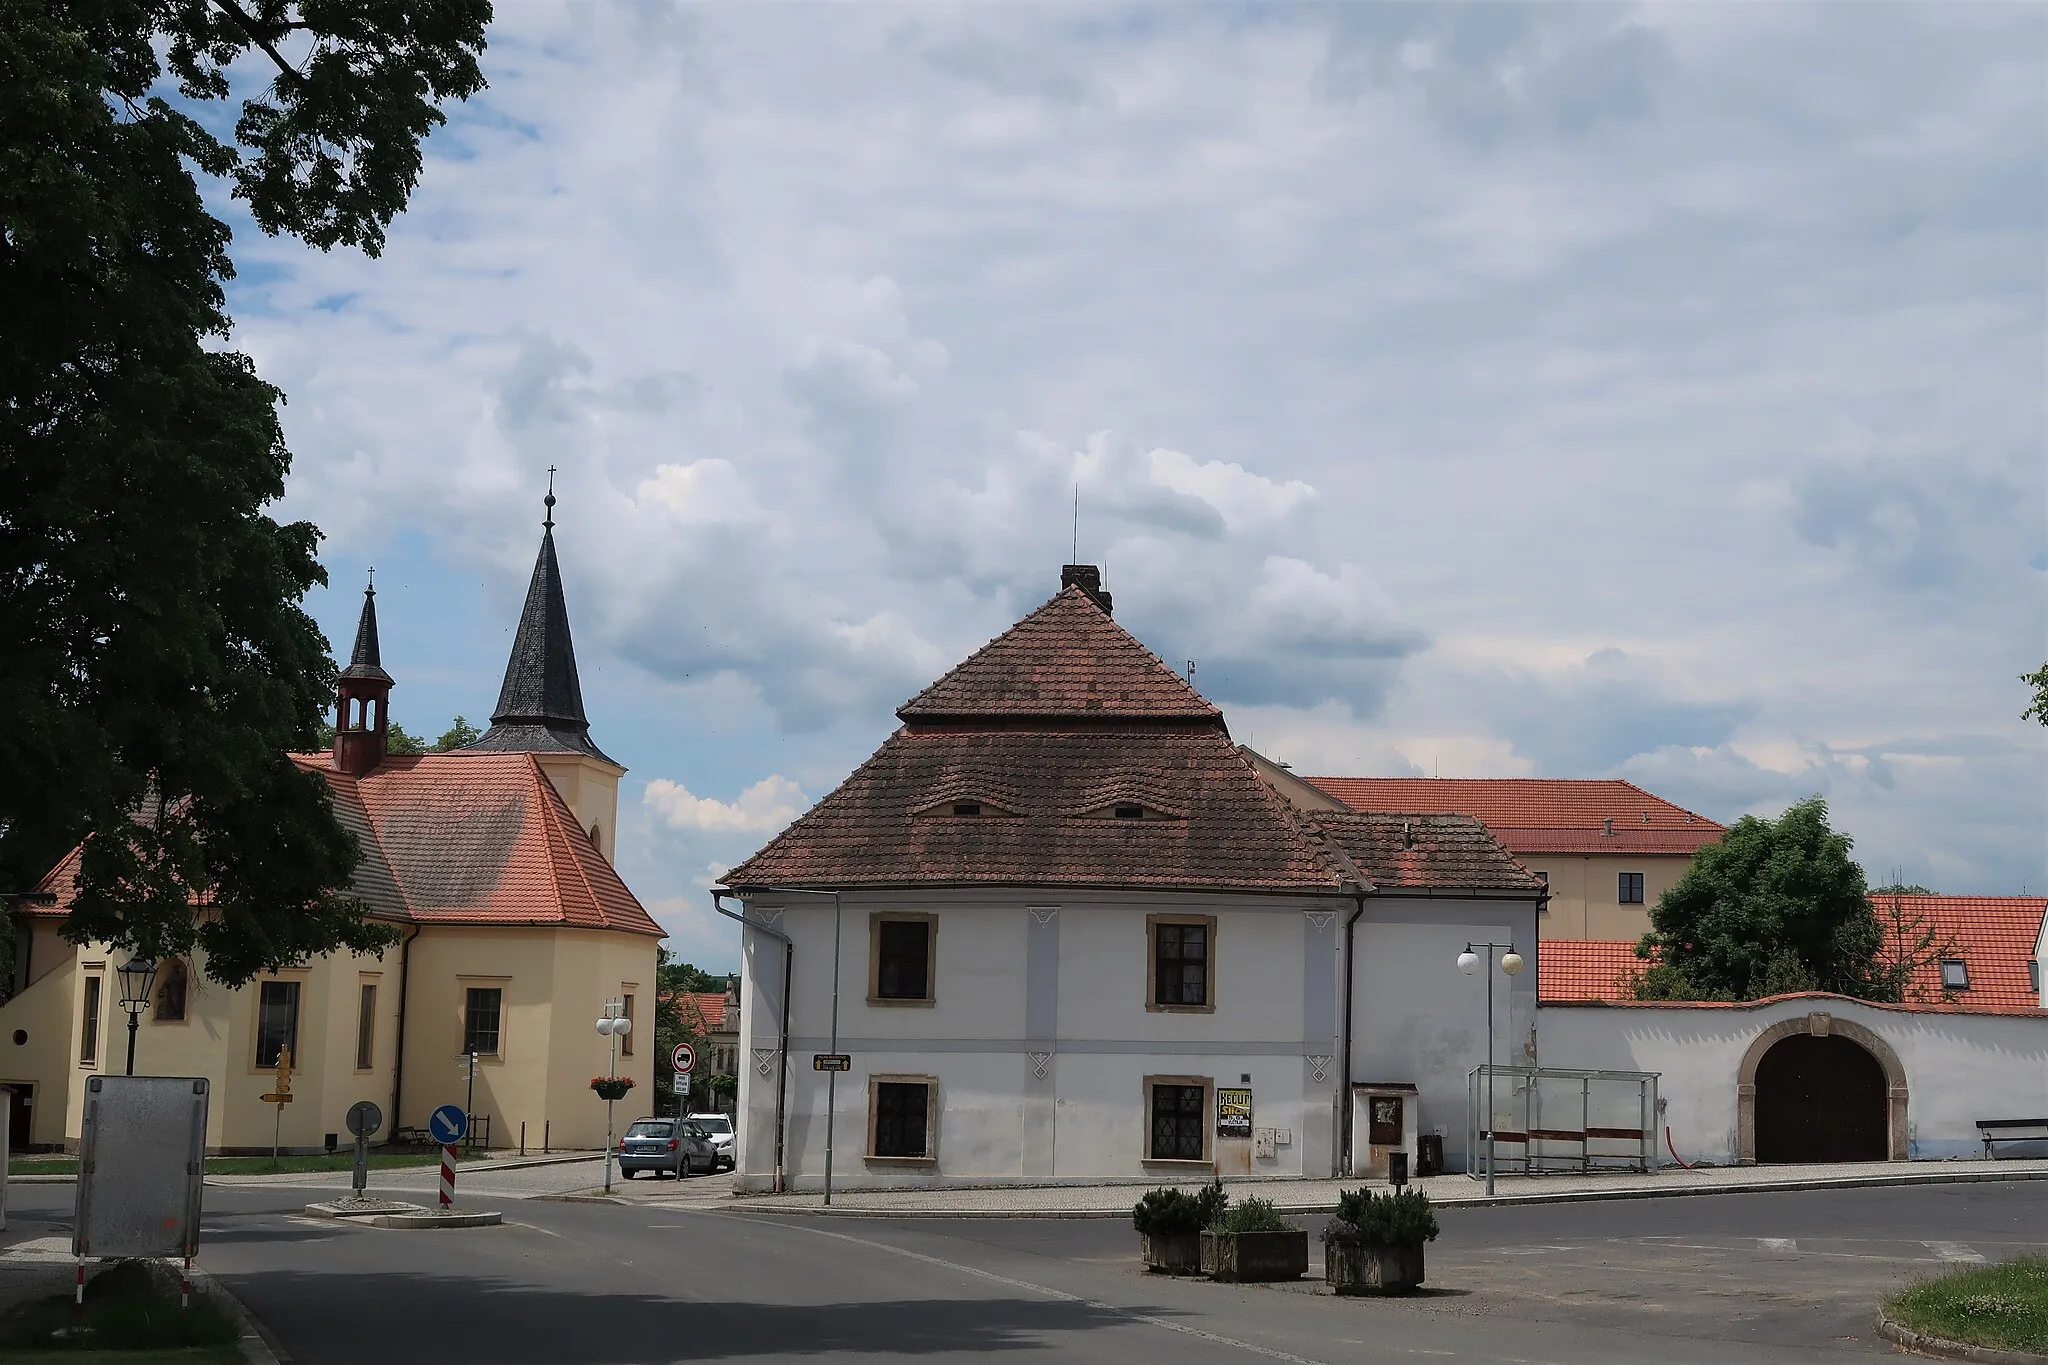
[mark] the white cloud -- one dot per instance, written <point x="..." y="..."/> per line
<point x="763" y="808"/>
<point x="1406" y="358"/>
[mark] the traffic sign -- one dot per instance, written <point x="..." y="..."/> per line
<point x="448" y="1124"/>
<point x="365" y="1118"/>
<point x="684" y="1057"/>
<point x="831" y="1061"/>
<point x="683" y="1083"/>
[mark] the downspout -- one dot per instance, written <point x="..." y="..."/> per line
<point x="782" y="1071"/>
<point x="1344" y="1071"/>
<point x="398" y="1058"/>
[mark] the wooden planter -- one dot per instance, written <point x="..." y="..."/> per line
<point x="1255" y="1255"/>
<point x="1179" y="1254"/>
<point x="1351" y="1269"/>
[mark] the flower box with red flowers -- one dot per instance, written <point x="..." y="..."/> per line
<point x="611" y="1087"/>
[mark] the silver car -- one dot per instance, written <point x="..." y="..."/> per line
<point x="677" y="1146"/>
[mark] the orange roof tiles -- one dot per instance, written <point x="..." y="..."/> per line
<point x="1068" y="658"/>
<point x="1585" y="969"/>
<point x="1995" y="937"/>
<point x="1437" y="852"/>
<point x="708" y="1006"/>
<point x="1541" y="814"/>
<point x="461" y="838"/>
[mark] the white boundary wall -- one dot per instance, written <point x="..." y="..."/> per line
<point x="1959" y="1067"/>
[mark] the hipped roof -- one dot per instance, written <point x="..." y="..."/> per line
<point x="1541" y="814"/>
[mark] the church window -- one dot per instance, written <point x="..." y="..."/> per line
<point x="277" y="1020"/>
<point x="172" y="982"/>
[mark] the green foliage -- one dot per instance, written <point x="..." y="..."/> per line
<point x="1776" y="906"/>
<point x="1253" y="1215"/>
<point x="456" y="736"/>
<point x="1167" y="1212"/>
<point x="1401" y="1218"/>
<point x="2003" y="1306"/>
<point x="2037" y="709"/>
<point x="155" y="660"/>
<point x="399" y="740"/>
<point x="677" y="1019"/>
<point x="1903" y="889"/>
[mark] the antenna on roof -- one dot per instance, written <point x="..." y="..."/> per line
<point x="1191" y="672"/>
<point x="1074" y="555"/>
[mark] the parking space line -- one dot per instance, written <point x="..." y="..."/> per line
<point x="1778" y="1243"/>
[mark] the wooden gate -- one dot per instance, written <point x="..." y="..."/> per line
<point x="1819" y="1098"/>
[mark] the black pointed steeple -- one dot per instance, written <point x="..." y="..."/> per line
<point x="365" y="661"/>
<point x="540" y="707"/>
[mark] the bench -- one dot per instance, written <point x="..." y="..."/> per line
<point x="2011" y="1130"/>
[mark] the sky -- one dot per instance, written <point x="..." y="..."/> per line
<point x="1580" y="391"/>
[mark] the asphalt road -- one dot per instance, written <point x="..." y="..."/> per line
<point x="1760" y="1277"/>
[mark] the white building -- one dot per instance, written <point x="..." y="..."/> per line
<point x="1081" y="939"/>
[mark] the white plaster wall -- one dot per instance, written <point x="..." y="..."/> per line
<point x="1959" y="1067"/>
<point x="1417" y="1019"/>
<point x="996" y="1116"/>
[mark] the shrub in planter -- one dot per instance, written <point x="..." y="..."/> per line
<point x="1250" y="1241"/>
<point x="1374" y="1244"/>
<point x="1170" y="1223"/>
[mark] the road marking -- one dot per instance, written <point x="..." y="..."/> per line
<point x="1954" y="1251"/>
<point x="1218" y="1338"/>
<point x="1778" y="1243"/>
<point x="1528" y="1251"/>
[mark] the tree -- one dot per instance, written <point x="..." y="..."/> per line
<point x="1902" y="889"/>
<point x="2038" y="708"/>
<point x="678" y="1018"/>
<point x="1776" y="906"/>
<point x="456" y="736"/>
<point x="155" y="660"/>
<point x="399" y="740"/>
<point x="1909" y="944"/>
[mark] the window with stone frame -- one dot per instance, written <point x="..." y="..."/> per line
<point x="1177" y="1119"/>
<point x="901" y="1116"/>
<point x="1181" y="962"/>
<point x="900" y="948"/>
<point x="277" y="1020"/>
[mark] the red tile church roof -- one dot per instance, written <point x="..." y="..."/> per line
<point x="462" y="838"/>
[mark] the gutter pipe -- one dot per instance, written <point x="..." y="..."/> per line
<point x="398" y="1059"/>
<point x="1344" y="1066"/>
<point x="782" y="1072"/>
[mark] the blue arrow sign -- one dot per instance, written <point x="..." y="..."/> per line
<point x="448" y="1124"/>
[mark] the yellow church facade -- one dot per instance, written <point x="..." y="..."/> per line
<point x="494" y="864"/>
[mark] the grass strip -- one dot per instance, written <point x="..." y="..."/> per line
<point x="131" y="1307"/>
<point x="2004" y="1306"/>
<point x="249" y="1165"/>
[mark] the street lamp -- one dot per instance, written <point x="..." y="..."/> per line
<point x="136" y="979"/>
<point x="614" y="1025"/>
<point x="1510" y="965"/>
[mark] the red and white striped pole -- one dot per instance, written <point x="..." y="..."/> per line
<point x="447" y="1175"/>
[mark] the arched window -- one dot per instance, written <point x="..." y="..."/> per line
<point x="172" y="983"/>
<point x="596" y="842"/>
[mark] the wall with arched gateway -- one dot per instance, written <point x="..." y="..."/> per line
<point x="1943" y="1070"/>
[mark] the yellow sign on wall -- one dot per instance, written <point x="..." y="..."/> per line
<point x="1234" y="1112"/>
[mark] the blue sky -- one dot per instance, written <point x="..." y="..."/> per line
<point x="1581" y="391"/>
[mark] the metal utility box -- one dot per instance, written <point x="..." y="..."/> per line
<point x="141" y="1165"/>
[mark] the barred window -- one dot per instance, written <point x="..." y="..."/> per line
<point x="1179" y="1116"/>
<point x="902" y="1112"/>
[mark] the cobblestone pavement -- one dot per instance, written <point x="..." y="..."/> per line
<point x="1310" y="1196"/>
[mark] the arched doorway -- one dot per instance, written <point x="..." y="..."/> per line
<point x="1819" y="1098"/>
<point x="1818" y="1026"/>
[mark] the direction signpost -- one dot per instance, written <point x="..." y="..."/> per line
<point x="364" y="1119"/>
<point x="280" y="1097"/>
<point x="448" y="1124"/>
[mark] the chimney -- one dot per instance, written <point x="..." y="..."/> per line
<point x="1607" y="825"/>
<point x="1088" y="579"/>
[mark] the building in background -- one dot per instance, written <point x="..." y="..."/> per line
<point x="1606" y="848"/>
<point x="494" y="863"/>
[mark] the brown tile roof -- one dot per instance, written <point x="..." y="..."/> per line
<point x="1541" y="814"/>
<point x="709" y="1007"/>
<point x="1425" y="851"/>
<point x="1227" y="830"/>
<point x="1068" y="658"/>
<point x="461" y="838"/>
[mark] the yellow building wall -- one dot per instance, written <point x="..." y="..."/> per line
<point x="41" y="1017"/>
<point x="1585" y="892"/>
<point x="555" y="983"/>
<point x="590" y="788"/>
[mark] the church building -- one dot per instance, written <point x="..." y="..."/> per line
<point x="494" y="861"/>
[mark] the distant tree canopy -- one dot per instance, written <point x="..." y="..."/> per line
<point x="2038" y="708"/>
<point x="399" y="740"/>
<point x="677" y="1020"/>
<point x="1903" y="889"/>
<point x="1776" y="906"/>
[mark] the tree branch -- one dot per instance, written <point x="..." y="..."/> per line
<point x="248" y="25"/>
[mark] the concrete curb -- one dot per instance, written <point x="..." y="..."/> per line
<point x="1957" y="1350"/>
<point x="258" y="1348"/>
<point x="475" y="1166"/>
<point x="404" y="1221"/>
<point x="576" y="1199"/>
<point x="1461" y="1201"/>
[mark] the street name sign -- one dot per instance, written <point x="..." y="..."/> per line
<point x="831" y="1061"/>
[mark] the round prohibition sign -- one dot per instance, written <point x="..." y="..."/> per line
<point x="683" y="1058"/>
